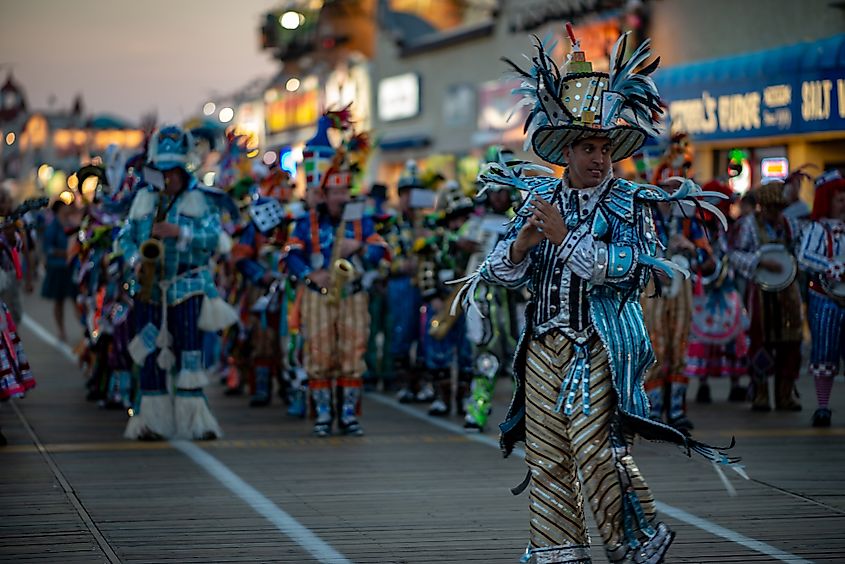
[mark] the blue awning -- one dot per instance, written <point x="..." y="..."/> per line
<point x="786" y="90"/>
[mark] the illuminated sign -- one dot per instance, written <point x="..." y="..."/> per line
<point x="291" y="110"/>
<point x="774" y="167"/>
<point x="743" y="108"/>
<point x="399" y="97"/>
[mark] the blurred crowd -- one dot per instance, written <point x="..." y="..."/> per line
<point x="314" y="299"/>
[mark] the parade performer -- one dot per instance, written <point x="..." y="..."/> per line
<point x="585" y="244"/>
<point x="104" y="305"/>
<point x="492" y="328"/>
<point x="257" y="256"/>
<point x="15" y="374"/>
<point x="444" y="340"/>
<point x="718" y="341"/>
<point x="328" y="251"/>
<point x="668" y="313"/>
<point x="822" y="254"/>
<point x="168" y="239"/>
<point x="379" y="344"/>
<point x="762" y="253"/>
<point x="403" y="289"/>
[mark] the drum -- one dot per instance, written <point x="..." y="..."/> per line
<point x="776" y="281"/>
<point x="834" y="289"/>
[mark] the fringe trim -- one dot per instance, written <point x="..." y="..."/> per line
<point x="154" y="414"/>
<point x="138" y="351"/>
<point x="216" y="315"/>
<point x="224" y="243"/>
<point x="193" y="204"/>
<point x="191" y="379"/>
<point x="194" y="418"/>
<point x="143" y="205"/>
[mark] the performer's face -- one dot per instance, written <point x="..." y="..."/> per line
<point x="589" y="161"/>
<point x="174" y="181"/>
<point x="500" y="200"/>
<point x="837" y="205"/>
<point x="336" y="198"/>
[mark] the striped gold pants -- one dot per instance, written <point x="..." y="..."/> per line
<point x="559" y="446"/>
<point x="334" y="336"/>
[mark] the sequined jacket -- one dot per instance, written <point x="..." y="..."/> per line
<point x="588" y="287"/>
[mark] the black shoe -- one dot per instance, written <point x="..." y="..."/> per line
<point x="259" y="401"/>
<point x="352" y="428"/>
<point x="821" y="418"/>
<point x="208" y="436"/>
<point x="150" y="436"/>
<point x="405" y="396"/>
<point x="323" y="429"/>
<point x="233" y="392"/>
<point x="472" y="427"/>
<point x="738" y="394"/>
<point x="703" y="395"/>
<point x="438" y="408"/>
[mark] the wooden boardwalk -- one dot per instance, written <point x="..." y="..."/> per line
<point x="407" y="492"/>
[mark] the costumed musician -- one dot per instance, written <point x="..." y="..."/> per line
<point x="492" y="328"/>
<point x="328" y="251"/>
<point x="822" y="255"/>
<point x="168" y="239"/>
<point x="763" y="253"/>
<point x="444" y="257"/>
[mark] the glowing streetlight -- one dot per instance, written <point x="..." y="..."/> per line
<point x="45" y="172"/>
<point x="291" y="20"/>
<point x="208" y="108"/>
<point x="269" y="157"/>
<point x="292" y="85"/>
<point x="10" y="138"/>
<point x="226" y="114"/>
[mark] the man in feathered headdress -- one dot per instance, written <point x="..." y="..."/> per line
<point x="585" y="245"/>
<point x="169" y="236"/>
<point x="329" y="250"/>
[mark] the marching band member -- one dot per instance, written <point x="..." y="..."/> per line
<point x="403" y="290"/>
<point x="775" y="311"/>
<point x="718" y="343"/>
<point x="585" y="245"/>
<point x="328" y="250"/>
<point x="445" y="339"/>
<point x="667" y="316"/>
<point x="257" y="256"/>
<point x="822" y="254"/>
<point x="492" y="328"/>
<point x="169" y="237"/>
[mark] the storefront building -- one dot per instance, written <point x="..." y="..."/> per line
<point x="763" y="113"/>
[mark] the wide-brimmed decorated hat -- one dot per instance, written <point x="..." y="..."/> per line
<point x="578" y="103"/>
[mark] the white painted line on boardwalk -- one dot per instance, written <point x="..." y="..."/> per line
<point x="674" y="512"/>
<point x="263" y="506"/>
<point x="292" y="528"/>
<point x="48" y="337"/>
<point x="728" y="534"/>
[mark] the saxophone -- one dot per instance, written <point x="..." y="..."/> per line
<point x="151" y="252"/>
<point x="342" y="270"/>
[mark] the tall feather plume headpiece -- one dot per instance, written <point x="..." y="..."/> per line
<point x="569" y="104"/>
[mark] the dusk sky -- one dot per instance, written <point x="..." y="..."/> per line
<point x="130" y="57"/>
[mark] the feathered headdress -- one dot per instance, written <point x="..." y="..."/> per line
<point x="579" y="103"/>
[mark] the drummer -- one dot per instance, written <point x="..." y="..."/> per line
<point x="822" y="254"/>
<point x="772" y="297"/>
